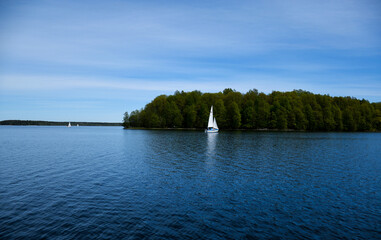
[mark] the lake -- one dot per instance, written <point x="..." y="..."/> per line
<point x="106" y="182"/>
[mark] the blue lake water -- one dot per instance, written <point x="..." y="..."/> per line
<point x="106" y="182"/>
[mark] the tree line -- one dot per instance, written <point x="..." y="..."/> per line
<point x="297" y="110"/>
<point x="52" y="123"/>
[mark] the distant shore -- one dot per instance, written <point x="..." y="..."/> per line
<point x="53" y="123"/>
<point x="74" y="124"/>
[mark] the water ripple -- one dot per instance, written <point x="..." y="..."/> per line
<point x="95" y="182"/>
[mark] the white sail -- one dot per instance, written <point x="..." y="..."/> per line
<point x="210" y="122"/>
<point x="215" y="123"/>
<point x="69" y="125"/>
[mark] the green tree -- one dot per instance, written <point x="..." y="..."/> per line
<point x="376" y="118"/>
<point x="328" y="118"/>
<point x="248" y="115"/>
<point x="190" y="116"/>
<point x="281" y="122"/>
<point x="227" y="91"/>
<point x="291" y="119"/>
<point x="220" y="113"/>
<point x="126" y="120"/>
<point x="311" y="122"/>
<point x="338" y="117"/>
<point x="202" y="116"/>
<point x="365" y="123"/>
<point x="134" y="118"/>
<point x="234" y="116"/>
<point x="300" y="118"/>
<point x="348" y="121"/>
<point x="175" y="119"/>
<point x="154" y="121"/>
<point x="233" y="97"/>
<point x="273" y="120"/>
<point x="298" y="109"/>
<point x="262" y="109"/>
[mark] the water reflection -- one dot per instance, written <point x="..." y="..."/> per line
<point x="212" y="138"/>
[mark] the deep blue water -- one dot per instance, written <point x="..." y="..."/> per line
<point x="106" y="182"/>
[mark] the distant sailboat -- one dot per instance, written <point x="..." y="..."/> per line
<point x="77" y="125"/>
<point x="69" y="125"/>
<point x="212" y="123"/>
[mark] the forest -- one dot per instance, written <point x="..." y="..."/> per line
<point x="295" y="110"/>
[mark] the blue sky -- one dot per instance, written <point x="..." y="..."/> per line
<point x="94" y="60"/>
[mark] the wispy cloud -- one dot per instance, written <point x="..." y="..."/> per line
<point x="67" y="82"/>
<point x="61" y="30"/>
<point x="241" y="82"/>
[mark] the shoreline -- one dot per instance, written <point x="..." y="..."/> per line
<point x="246" y="130"/>
<point x="54" y="123"/>
<point x="100" y="124"/>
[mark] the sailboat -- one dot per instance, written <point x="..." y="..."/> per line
<point x="212" y="123"/>
<point x="69" y="125"/>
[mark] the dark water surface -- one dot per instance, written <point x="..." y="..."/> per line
<point x="106" y="182"/>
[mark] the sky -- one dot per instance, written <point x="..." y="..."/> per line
<point x="94" y="60"/>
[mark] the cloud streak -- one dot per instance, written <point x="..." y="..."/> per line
<point x="265" y="83"/>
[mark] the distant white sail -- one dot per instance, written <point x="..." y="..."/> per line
<point x="210" y="122"/>
<point x="215" y="123"/>
<point x="69" y="125"/>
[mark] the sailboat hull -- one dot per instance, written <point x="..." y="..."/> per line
<point x="212" y="130"/>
